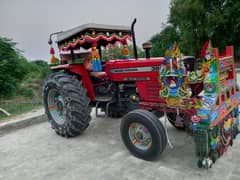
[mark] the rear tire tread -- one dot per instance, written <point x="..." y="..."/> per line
<point x="77" y="104"/>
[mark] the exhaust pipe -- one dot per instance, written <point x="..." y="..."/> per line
<point x="134" y="40"/>
<point x="147" y="47"/>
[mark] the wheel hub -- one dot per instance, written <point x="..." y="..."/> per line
<point x="56" y="106"/>
<point x="60" y="105"/>
<point x="140" y="136"/>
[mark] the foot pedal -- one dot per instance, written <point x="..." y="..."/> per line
<point x="107" y="108"/>
<point x="96" y="111"/>
<point x="103" y="98"/>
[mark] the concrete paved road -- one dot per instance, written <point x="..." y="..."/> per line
<point x="37" y="152"/>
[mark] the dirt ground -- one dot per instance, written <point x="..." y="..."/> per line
<point x="36" y="152"/>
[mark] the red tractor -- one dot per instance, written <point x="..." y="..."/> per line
<point x="142" y="89"/>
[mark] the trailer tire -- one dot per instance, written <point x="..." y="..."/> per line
<point x="66" y="104"/>
<point x="139" y="125"/>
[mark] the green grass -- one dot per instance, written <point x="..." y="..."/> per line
<point x="17" y="108"/>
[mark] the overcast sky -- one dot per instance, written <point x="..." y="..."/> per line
<point x="29" y="22"/>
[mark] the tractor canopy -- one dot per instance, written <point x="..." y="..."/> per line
<point x="90" y="35"/>
<point x="72" y="42"/>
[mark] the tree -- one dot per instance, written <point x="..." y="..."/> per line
<point x="115" y="52"/>
<point x="162" y="40"/>
<point x="38" y="69"/>
<point x="13" y="67"/>
<point x="189" y="17"/>
<point x="200" y="20"/>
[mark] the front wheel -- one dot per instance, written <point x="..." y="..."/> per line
<point x="66" y="104"/>
<point x="143" y="134"/>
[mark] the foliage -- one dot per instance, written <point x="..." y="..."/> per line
<point x="200" y="20"/>
<point x="189" y="17"/>
<point x="116" y="52"/>
<point x="37" y="69"/>
<point x="12" y="67"/>
<point x="196" y="21"/>
<point x="31" y="85"/>
<point x="27" y="92"/>
<point x="17" y="108"/>
<point x="162" y="40"/>
<point x="16" y="70"/>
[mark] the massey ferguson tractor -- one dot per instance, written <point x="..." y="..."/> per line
<point x="196" y="95"/>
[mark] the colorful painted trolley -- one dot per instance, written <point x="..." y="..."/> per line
<point x="213" y="112"/>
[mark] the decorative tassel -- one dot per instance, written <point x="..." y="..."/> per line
<point x="53" y="59"/>
<point x="207" y="50"/>
<point x="96" y="62"/>
<point x="125" y="52"/>
<point x="52" y="51"/>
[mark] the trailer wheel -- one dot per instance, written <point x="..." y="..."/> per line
<point x="66" y="104"/>
<point x="143" y="134"/>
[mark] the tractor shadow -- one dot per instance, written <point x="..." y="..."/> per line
<point x="181" y="159"/>
<point x="181" y="155"/>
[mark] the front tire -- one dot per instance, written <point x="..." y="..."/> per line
<point x="143" y="134"/>
<point x="66" y="104"/>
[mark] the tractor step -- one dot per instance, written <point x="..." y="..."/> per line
<point x="103" y="98"/>
<point x="106" y="100"/>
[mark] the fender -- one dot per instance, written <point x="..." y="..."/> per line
<point x="79" y="70"/>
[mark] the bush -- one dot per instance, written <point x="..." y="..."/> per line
<point x="27" y="92"/>
<point x="13" y="67"/>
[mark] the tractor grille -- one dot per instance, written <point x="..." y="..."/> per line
<point x="153" y="90"/>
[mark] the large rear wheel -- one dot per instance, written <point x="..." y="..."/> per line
<point x="143" y="134"/>
<point x="66" y="104"/>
